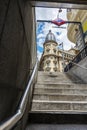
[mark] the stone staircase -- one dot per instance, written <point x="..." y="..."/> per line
<point x="59" y="93"/>
<point x="58" y="98"/>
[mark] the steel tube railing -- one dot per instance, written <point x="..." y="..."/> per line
<point x="77" y="59"/>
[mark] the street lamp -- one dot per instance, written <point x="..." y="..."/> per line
<point x="61" y="44"/>
<point x="59" y="11"/>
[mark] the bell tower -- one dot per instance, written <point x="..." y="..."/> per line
<point x="50" y="57"/>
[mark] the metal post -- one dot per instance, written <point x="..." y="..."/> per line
<point x="59" y="11"/>
<point x="58" y="14"/>
<point x="63" y="55"/>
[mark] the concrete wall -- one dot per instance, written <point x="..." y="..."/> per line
<point x="80" y="72"/>
<point x="17" y="47"/>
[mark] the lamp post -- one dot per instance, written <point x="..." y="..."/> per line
<point x="59" y="11"/>
<point x="61" y="44"/>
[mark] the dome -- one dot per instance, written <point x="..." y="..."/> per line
<point x="50" y="37"/>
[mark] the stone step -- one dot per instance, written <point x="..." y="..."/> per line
<point x="47" y="126"/>
<point x="38" y="105"/>
<point x="59" y="92"/>
<point x="39" y="90"/>
<point x="59" y="82"/>
<point x="61" y="86"/>
<point x="59" y="97"/>
<point x="50" y="73"/>
<point x="42" y="74"/>
<point x="60" y="111"/>
<point x="56" y="77"/>
<point x="58" y="118"/>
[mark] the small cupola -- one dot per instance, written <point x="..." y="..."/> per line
<point x="50" y="37"/>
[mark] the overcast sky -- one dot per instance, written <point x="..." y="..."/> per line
<point x="43" y="28"/>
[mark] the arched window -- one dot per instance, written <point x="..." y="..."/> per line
<point x="47" y="50"/>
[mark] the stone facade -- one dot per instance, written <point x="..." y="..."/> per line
<point x="74" y="31"/>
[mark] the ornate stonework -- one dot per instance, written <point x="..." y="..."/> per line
<point x="53" y="59"/>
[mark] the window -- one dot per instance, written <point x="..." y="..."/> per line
<point x="51" y="57"/>
<point x="55" y="58"/>
<point x="55" y="69"/>
<point x="62" y="64"/>
<point x="64" y="55"/>
<point x="55" y="63"/>
<point x="48" y="50"/>
<point x="48" y="69"/>
<point x="47" y="45"/>
<point x="48" y="64"/>
<point x="47" y="61"/>
<point x="54" y="50"/>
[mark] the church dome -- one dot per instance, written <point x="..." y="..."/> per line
<point x="50" y="37"/>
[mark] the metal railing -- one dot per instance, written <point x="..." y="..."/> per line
<point x="82" y="54"/>
<point x="10" y="123"/>
<point x="77" y="59"/>
<point x="82" y="67"/>
<point x="79" y="65"/>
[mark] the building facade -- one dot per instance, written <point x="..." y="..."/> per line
<point x="54" y="59"/>
<point x="77" y="33"/>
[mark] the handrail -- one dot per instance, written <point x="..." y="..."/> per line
<point x="79" y="65"/>
<point x="81" y="55"/>
<point x="7" y="125"/>
<point x="70" y="66"/>
<point x="77" y="59"/>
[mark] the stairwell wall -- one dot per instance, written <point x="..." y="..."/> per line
<point x="16" y="45"/>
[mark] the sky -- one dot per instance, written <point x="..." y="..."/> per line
<point x="42" y="28"/>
